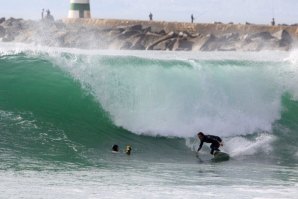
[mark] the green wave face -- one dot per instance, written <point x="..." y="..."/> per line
<point x="74" y="107"/>
<point x="44" y="112"/>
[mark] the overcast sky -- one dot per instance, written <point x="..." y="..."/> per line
<point x="237" y="11"/>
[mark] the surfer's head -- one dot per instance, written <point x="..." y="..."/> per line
<point x="115" y="148"/>
<point x="128" y="149"/>
<point x="201" y="135"/>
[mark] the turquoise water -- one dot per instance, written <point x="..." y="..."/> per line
<point x="62" y="110"/>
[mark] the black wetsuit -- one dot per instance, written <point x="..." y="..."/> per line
<point x="115" y="148"/>
<point x="214" y="140"/>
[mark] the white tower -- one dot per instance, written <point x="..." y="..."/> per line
<point x="79" y="9"/>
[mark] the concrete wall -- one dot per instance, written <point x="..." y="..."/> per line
<point x="190" y="27"/>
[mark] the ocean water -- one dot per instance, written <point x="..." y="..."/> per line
<point x="61" y="110"/>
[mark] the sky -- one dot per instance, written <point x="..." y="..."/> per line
<point x="204" y="11"/>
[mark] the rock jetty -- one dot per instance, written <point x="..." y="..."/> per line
<point x="148" y="35"/>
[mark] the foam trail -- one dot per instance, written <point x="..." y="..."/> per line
<point x="240" y="146"/>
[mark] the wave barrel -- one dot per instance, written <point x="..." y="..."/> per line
<point x="79" y="9"/>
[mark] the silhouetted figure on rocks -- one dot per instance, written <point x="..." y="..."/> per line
<point x="49" y="17"/>
<point x="42" y="13"/>
<point x="192" y="18"/>
<point x="48" y="12"/>
<point x="273" y="22"/>
<point x="150" y="16"/>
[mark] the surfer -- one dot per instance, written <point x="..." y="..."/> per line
<point x="215" y="141"/>
<point x="128" y="149"/>
<point x="115" y="148"/>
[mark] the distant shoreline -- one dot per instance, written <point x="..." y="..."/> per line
<point x="148" y="35"/>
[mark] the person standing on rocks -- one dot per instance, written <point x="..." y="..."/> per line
<point x="273" y="22"/>
<point x="49" y="17"/>
<point x="192" y="18"/>
<point x="42" y="13"/>
<point x="151" y="16"/>
<point x="48" y="13"/>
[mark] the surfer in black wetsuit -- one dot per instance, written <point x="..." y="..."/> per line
<point x="215" y="141"/>
<point x="115" y="148"/>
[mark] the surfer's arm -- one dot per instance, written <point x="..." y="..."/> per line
<point x="220" y="141"/>
<point x="201" y="144"/>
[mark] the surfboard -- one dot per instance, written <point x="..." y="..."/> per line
<point x="220" y="156"/>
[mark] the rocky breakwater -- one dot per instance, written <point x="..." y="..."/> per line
<point x="148" y="35"/>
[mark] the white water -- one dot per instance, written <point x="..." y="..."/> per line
<point x="170" y="97"/>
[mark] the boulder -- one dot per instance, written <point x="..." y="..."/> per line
<point x="251" y="46"/>
<point x="2" y="20"/>
<point x="8" y="38"/>
<point x="150" y="38"/>
<point x="126" y="45"/>
<point x="229" y="37"/>
<point x="137" y="27"/>
<point x="165" y="45"/>
<point x="158" y="30"/>
<point x="164" y="38"/>
<point x="184" y="45"/>
<point x="284" y="38"/>
<point x="138" y="42"/>
<point x="128" y="33"/>
<point x="261" y="35"/>
<point x="169" y="44"/>
<point x="12" y="22"/>
<point x="2" y="31"/>
<point x="146" y="29"/>
<point x="207" y="43"/>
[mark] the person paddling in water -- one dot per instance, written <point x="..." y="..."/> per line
<point x="215" y="141"/>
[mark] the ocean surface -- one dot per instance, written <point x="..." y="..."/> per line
<point x="61" y="110"/>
